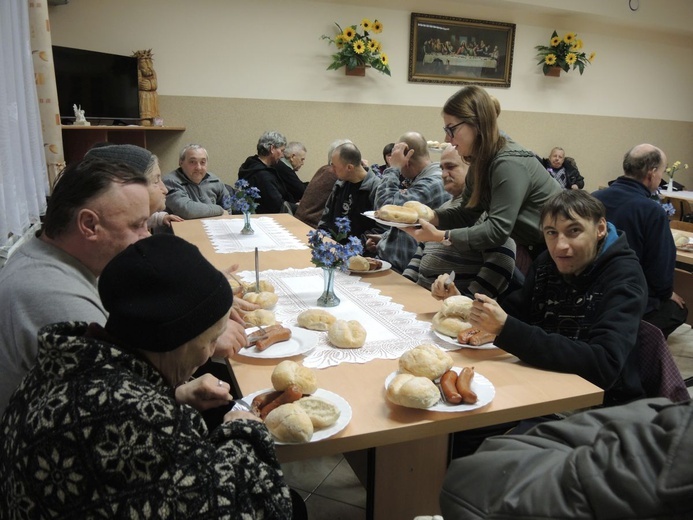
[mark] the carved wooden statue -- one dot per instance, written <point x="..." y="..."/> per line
<point x="146" y="77"/>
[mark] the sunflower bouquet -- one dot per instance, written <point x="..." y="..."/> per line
<point x="356" y="48"/>
<point x="564" y="53"/>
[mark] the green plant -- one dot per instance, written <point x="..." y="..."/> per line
<point x="564" y="53"/>
<point x="356" y="49"/>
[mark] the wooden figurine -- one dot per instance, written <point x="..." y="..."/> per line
<point x="146" y="78"/>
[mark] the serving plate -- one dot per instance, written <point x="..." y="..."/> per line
<point x="302" y="341"/>
<point x="483" y="388"/>
<point x="453" y="341"/>
<point x="371" y="214"/>
<point x="385" y="267"/>
<point x="345" y="413"/>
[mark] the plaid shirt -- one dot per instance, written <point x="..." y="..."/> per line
<point x="396" y="246"/>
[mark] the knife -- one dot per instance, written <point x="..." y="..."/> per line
<point x="450" y="280"/>
<point x="257" y="270"/>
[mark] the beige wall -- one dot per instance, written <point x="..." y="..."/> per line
<point x="230" y="70"/>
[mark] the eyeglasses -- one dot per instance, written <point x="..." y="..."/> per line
<point x="450" y="130"/>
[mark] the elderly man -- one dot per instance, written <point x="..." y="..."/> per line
<point x="260" y="171"/>
<point x="630" y="208"/>
<point x="488" y="272"/>
<point x="287" y="168"/>
<point x="352" y="194"/>
<point x="193" y="192"/>
<point x="95" y="211"/>
<point x="422" y="182"/>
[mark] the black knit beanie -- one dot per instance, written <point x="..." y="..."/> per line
<point x="134" y="156"/>
<point x="161" y="292"/>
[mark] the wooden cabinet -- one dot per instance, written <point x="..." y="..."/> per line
<point x="78" y="139"/>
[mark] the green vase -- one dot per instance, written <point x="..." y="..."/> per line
<point x="328" y="298"/>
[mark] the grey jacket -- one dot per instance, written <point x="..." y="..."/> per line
<point x="189" y="200"/>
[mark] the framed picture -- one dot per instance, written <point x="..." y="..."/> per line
<point x="443" y="49"/>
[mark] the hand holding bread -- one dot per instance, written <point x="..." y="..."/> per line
<point x="394" y="213"/>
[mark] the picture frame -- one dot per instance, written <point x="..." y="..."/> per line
<point x="443" y="49"/>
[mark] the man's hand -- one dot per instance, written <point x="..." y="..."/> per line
<point x="372" y="243"/>
<point x="240" y="414"/>
<point x="440" y="291"/>
<point x="172" y="218"/>
<point x="427" y="232"/>
<point x="232" y="340"/>
<point x="487" y="315"/>
<point x="678" y="300"/>
<point x="400" y="156"/>
<point x="242" y="306"/>
<point x="204" y="393"/>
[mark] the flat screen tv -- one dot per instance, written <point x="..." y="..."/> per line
<point x="105" y="85"/>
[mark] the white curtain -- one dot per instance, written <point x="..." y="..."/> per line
<point x="23" y="177"/>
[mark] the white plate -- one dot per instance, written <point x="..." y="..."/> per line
<point x="483" y="388"/>
<point x="301" y="342"/>
<point x="386" y="265"/>
<point x="371" y="214"/>
<point x="318" y="435"/>
<point x="454" y="341"/>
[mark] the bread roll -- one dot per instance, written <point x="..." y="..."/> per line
<point x="260" y="317"/>
<point x="359" y="263"/>
<point x="426" y="361"/>
<point x="264" y="299"/>
<point x="393" y="213"/>
<point x="289" y="423"/>
<point x="322" y="413"/>
<point x="424" y="212"/>
<point x="315" y="319"/>
<point x="450" y="326"/>
<point x="680" y="239"/>
<point x="347" y="334"/>
<point x="265" y="286"/>
<point x="289" y="373"/>
<point x="458" y="306"/>
<point x="413" y="391"/>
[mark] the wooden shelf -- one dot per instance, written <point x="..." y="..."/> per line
<point x="77" y="139"/>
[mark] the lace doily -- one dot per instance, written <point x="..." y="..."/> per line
<point x="390" y="330"/>
<point x="225" y="235"/>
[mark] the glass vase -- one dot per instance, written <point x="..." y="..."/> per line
<point x="670" y="185"/>
<point x="247" y="228"/>
<point x="328" y="298"/>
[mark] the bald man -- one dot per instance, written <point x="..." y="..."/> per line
<point x="629" y="206"/>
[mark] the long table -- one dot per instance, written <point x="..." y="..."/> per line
<point x="408" y="448"/>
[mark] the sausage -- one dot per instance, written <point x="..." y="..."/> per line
<point x="447" y="383"/>
<point x="465" y="335"/>
<point x="464" y="386"/>
<point x="291" y="394"/>
<point x="252" y="338"/>
<point x="374" y="264"/>
<point x="481" y="337"/>
<point x="263" y="400"/>
<point x="273" y="336"/>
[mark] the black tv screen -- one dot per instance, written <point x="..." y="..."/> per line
<point x="105" y="85"/>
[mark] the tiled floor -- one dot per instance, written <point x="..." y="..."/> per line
<point x="332" y="491"/>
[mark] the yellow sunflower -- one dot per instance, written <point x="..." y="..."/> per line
<point x="339" y="41"/>
<point x="569" y="38"/>
<point x="555" y="41"/>
<point x="592" y="55"/>
<point x="372" y="46"/>
<point x="366" y="24"/>
<point x="383" y="58"/>
<point x="577" y="45"/>
<point x="550" y="59"/>
<point x="349" y="34"/>
<point x="359" y="47"/>
<point x="571" y="58"/>
<point x="377" y="26"/>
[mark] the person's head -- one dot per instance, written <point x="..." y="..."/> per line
<point x="97" y="208"/>
<point x="557" y="158"/>
<point x="471" y="125"/>
<point x="454" y="171"/>
<point x="334" y="144"/>
<point x="645" y="163"/>
<point x="387" y="153"/>
<point x="167" y="302"/>
<point x="271" y="147"/>
<point x="142" y="161"/>
<point x="346" y="161"/>
<point x="295" y="153"/>
<point x="193" y="161"/>
<point x="420" y="158"/>
<point x="573" y="223"/>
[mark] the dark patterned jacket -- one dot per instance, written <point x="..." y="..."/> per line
<point x="94" y="431"/>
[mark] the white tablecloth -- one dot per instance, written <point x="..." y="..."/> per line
<point x="225" y="235"/>
<point x="390" y="330"/>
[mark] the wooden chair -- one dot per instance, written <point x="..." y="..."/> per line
<point x="658" y="372"/>
<point x="682" y="207"/>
